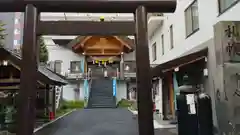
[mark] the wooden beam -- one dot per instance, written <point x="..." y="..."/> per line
<point x="93" y="6"/>
<point x="85" y="40"/>
<point x="10" y="80"/>
<point x="103" y="47"/>
<point x="105" y="54"/>
<point x="86" y="28"/>
<point x="123" y="42"/>
<point x="16" y="87"/>
<point x="17" y="67"/>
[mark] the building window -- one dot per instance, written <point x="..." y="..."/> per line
<point x="191" y="18"/>
<point x="17" y="20"/>
<point x="225" y="4"/>
<point x="162" y="39"/>
<point x="16" y="42"/>
<point x="58" y="66"/>
<point x="75" y="66"/>
<point x="171" y="37"/>
<point x="154" y="51"/>
<point x="17" y="31"/>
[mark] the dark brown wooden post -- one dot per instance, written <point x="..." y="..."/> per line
<point x="54" y="101"/>
<point x="28" y="86"/>
<point x="144" y="93"/>
<point x="47" y="90"/>
<point x="164" y="99"/>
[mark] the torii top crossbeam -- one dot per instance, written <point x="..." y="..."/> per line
<point x="93" y="6"/>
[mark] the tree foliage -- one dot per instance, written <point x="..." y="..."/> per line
<point x="43" y="54"/>
<point x="2" y="33"/>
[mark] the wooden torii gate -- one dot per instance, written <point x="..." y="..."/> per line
<point x="33" y="28"/>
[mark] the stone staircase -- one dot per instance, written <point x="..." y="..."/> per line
<point x="101" y="95"/>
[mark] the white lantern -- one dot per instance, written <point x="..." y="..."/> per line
<point x="5" y="63"/>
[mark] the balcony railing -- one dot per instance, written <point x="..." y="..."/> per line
<point x="129" y="74"/>
<point x="154" y="14"/>
<point x="75" y="75"/>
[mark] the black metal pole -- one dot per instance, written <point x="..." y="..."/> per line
<point x="29" y="68"/>
<point x="144" y="92"/>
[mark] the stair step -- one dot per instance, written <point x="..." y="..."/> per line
<point x="102" y="102"/>
<point x="101" y="95"/>
<point x="101" y="98"/>
<point x="101" y="105"/>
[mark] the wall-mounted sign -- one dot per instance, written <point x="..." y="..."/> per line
<point x="191" y="103"/>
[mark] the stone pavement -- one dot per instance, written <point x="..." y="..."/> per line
<point x="98" y="122"/>
<point x="161" y="127"/>
<point x="93" y="122"/>
<point x="166" y="131"/>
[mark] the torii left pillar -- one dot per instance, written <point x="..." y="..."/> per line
<point x="29" y="70"/>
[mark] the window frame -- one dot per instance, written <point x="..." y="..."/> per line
<point x="17" y="21"/>
<point x="191" y="18"/>
<point x="221" y="11"/>
<point x="17" y="31"/>
<point x="154" y="51"/>
<point x="80" y="70"/>
<point x="55" y="67"/>
<point x="162" y="44"/>
<point x="171" y="37"/>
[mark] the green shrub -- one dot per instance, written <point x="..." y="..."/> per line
<point x="66" y="106"/>
<point x="124" y="103"/>
<point x="72" y="105"/>
<point x="134" y="105"/>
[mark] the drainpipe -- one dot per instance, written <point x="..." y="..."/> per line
<point x="122" y="67"/>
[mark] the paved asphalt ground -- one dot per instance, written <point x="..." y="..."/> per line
<point x="97" y="122"/>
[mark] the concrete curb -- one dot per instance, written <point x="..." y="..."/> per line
<point x="132" y="111"/>
<point x="156" y="124"/>
<point x="46" y="124"/>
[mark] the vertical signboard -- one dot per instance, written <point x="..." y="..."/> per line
<point x="86" y="93"/>
<point x="114" y="86"/>
<point x="175" y="87"/>
<point x="82" y="65"/>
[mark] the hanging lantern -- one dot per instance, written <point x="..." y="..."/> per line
<point x="102" y="18"/>
<point x="5" y="63"/>
<point x="96" y="61"/>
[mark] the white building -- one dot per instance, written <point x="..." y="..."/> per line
<point x="62" y="58"/>
<point x="68" y="64"/>
<point x="191" y="28"/>
<point x="184" y="37"/>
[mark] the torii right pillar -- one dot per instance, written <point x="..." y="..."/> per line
<point x="144" y="80"/>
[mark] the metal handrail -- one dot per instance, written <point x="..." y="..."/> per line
<point x="89" y="78"/>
